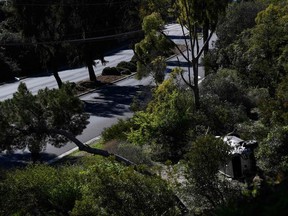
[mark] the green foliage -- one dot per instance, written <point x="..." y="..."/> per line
<point x="265" y="205"/>
<point x="111" y="71"/>
<point x="31" y="120"/>
<point x="196" y="13"/>
<point x="258" y="53"/>
<point x="166" y="123"/>
<point x="137" y="154"/>
<point x="93" y="188"/>
<point x="202" y="164"/>
<point x="272" y="153"/>
<point x="158" y="66"/>
<point x="273" y="111"/>
<point x="39" y="190"/>
<point x="159" y="6"/>
<point x="238" y="17"/>
<point x="224" y="101"/>
<point x="117" y="131"/>
<point x="127" y="65"/>
<point x="152" y="49"/>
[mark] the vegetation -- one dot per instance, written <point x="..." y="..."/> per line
<point x="244" y="92"/>
<point x="61" y="33"/>
<point x="94" y="187"/>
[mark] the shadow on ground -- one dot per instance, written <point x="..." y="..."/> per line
<point x="17" y="160"/>
<point x="178" y="37"/>
<point x="178" y="64"/>
<point x="112" y="100"/>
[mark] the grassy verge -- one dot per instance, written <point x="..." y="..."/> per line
<point x="77" y="156"/>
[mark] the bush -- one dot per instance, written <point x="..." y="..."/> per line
<point x="128" y="65"/>
<point x="95" y="187"/>
<point x="136" y="154"/>
<point x="117" y="131"/>
<point x="124" y="71"/>
<point x="111" y="71"/>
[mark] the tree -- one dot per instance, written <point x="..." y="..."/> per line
<point x="102" y="20"/>
<point x="41" y="28"/>
<point x="239" y="17"/>
<point x="195" y="15"/>
<point x="161" y="7"/>
<point x="272" y="155"/>
<point x="33" y="120"/>
<point x="93" y="187"/>
<point x="202" y="163"/>
<point x="225" y="102"/>
<point x="78" y="31"/>
<point x="151" y="51"/>
<point x="52" y="116"/>
<point x="166" y="123"/>
<point x="259" y="52"/>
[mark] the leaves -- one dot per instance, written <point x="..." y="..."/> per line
<point x="29" y="118"/>
<point x="95" y="187"/>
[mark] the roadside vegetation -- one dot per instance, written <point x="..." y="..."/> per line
<point x="170" y="142"/>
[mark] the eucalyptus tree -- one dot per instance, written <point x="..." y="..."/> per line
<point x="151" y="51"/>
<point x="194" y="15"/>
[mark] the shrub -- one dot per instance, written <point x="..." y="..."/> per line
<point x="124" y="71"/>
<point x="117" y="131"/>
<point x="127" y="65"/>
<point x="110" y="71"/>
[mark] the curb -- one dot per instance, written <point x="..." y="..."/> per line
<point x="118" y="80"/>
<point x="89" y="142"/>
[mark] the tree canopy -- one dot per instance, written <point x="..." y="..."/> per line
<point x="33" y="120"/>
<point x="94" y="187"/>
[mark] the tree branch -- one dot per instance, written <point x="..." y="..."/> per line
<point x="87" y="148"/>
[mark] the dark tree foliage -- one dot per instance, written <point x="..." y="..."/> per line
<point x="95" y="187"/>
<point x="69" y="30"/>
<point x="32" y="120"/>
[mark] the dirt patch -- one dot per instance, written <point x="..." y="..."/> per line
<point x="87" y="85"/>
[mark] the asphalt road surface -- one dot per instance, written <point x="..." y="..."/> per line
<point x="105" y="105"/>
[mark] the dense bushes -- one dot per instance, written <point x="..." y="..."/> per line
<point x="92" y="188"/>
<point x="123" y="68"/>
<point x="116" y="71"/>
<point x="111" y="71"/>
<point x="127" y="65"/>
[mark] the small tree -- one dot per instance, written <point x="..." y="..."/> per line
<point x="193" y="16"/>
<point x="151" y="50"/>
<point x="52" y="116"/>
<point x="203" y="161"/>
<point x="166" y="123"/>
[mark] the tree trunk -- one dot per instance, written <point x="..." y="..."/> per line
<point x="87" y="148"/>
<point x="206" y="36"/>
<point x="56" y="75"/>
<point x="92" y="75"/>
<point x="196" y="85"/>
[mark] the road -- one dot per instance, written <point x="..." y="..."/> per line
<point x="36" y="83"/>
<point x="105" y="105"/>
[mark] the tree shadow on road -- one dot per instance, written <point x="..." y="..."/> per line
<point x="178" y="63"/>
<point x="113" y="101"/>
<point x="19" y="159"/>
